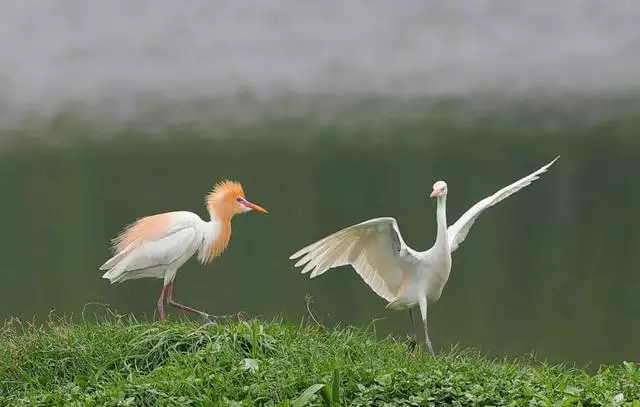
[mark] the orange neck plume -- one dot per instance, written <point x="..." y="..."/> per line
<point x="218" y="246"/>
<point x="222" y="206"/>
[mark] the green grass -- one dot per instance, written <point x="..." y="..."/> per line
<point x="120" y="362"/>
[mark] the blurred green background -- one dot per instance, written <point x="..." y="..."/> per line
<point x="553" y="269"/>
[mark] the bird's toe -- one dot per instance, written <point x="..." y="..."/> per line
<point x="430" y="348"/>
<point x="411" y="342"/>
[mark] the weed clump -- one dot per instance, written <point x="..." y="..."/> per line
<point x="125" y="362"/>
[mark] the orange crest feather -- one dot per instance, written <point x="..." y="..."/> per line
<point x="221" y="201"/>
<point x="222" y="198"/>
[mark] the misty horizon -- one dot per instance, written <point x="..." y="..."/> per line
<point x="124" y="55"/>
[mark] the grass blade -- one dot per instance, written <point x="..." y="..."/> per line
<point x="307" y="395"/>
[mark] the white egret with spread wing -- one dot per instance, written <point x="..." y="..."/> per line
<point x="402" y="276"/>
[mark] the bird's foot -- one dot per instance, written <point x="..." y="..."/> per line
<point x="412" y="343"/>
<point x="209" y="317"/>
<point x="429" y="347"/>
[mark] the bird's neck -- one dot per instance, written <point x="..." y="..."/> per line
<point x="223" y="219"/>
<point x="441" y="219"/>
<point x="221" y="222"/>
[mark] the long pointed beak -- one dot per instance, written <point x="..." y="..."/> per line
<point x="254" y="207"/>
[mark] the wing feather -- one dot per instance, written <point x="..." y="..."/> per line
<point x="374" y="248"/>
<point x="142" y="230"/>
<point x="154" y="241"/>
<point x="458" y="231"/>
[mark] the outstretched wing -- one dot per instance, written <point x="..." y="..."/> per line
<point x="457" y="232"/>
<point x="374" y="248"/>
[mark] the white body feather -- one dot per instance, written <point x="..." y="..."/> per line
<point x="185" y="234"/>
<point x="394" y="271"/>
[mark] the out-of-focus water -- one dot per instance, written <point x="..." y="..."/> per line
<point x="553" y="269"/>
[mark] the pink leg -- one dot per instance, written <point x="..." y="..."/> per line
<point x="161" y="303"/>
<point x="182" y="307"/>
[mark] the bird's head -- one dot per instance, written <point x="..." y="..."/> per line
<point x="439" y="189"/>
<point x="227" y="199"/>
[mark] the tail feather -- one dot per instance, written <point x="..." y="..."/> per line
<point x="112" y="262"/>
<point x="117" y="273"/>
<point x="120" y="270"/>
<point x="116" y="258"/>
<point x="116" y="266"/>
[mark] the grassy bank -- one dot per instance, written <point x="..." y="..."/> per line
<point x="120" y="362"/>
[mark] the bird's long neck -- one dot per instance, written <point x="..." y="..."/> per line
<point x="441" y="219"/>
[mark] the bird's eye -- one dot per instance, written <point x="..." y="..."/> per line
<point x="240" y="200"/>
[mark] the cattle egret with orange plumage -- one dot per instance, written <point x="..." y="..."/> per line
<point x="157" y="246"/>
<point x="402" y="276"/>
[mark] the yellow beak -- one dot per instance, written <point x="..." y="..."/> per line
<point x="255" y="207"/>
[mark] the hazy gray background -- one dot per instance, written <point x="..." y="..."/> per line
<point x="119" y="57"/>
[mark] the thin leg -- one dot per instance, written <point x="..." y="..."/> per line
<point x="161" y="303"/>
<point x="182" y="307"/>
<point x="413" y="331"/>
<point x="412" y="340"/>
<point x="423" y="311"/>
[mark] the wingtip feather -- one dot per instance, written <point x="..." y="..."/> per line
<point x="552" y="161"/>
<point x="295" y="255"/>
<point x="303" y="251"/>
<point x="301" y="262"/>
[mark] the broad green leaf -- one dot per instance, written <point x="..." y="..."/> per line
<point x="307" y="395"/>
